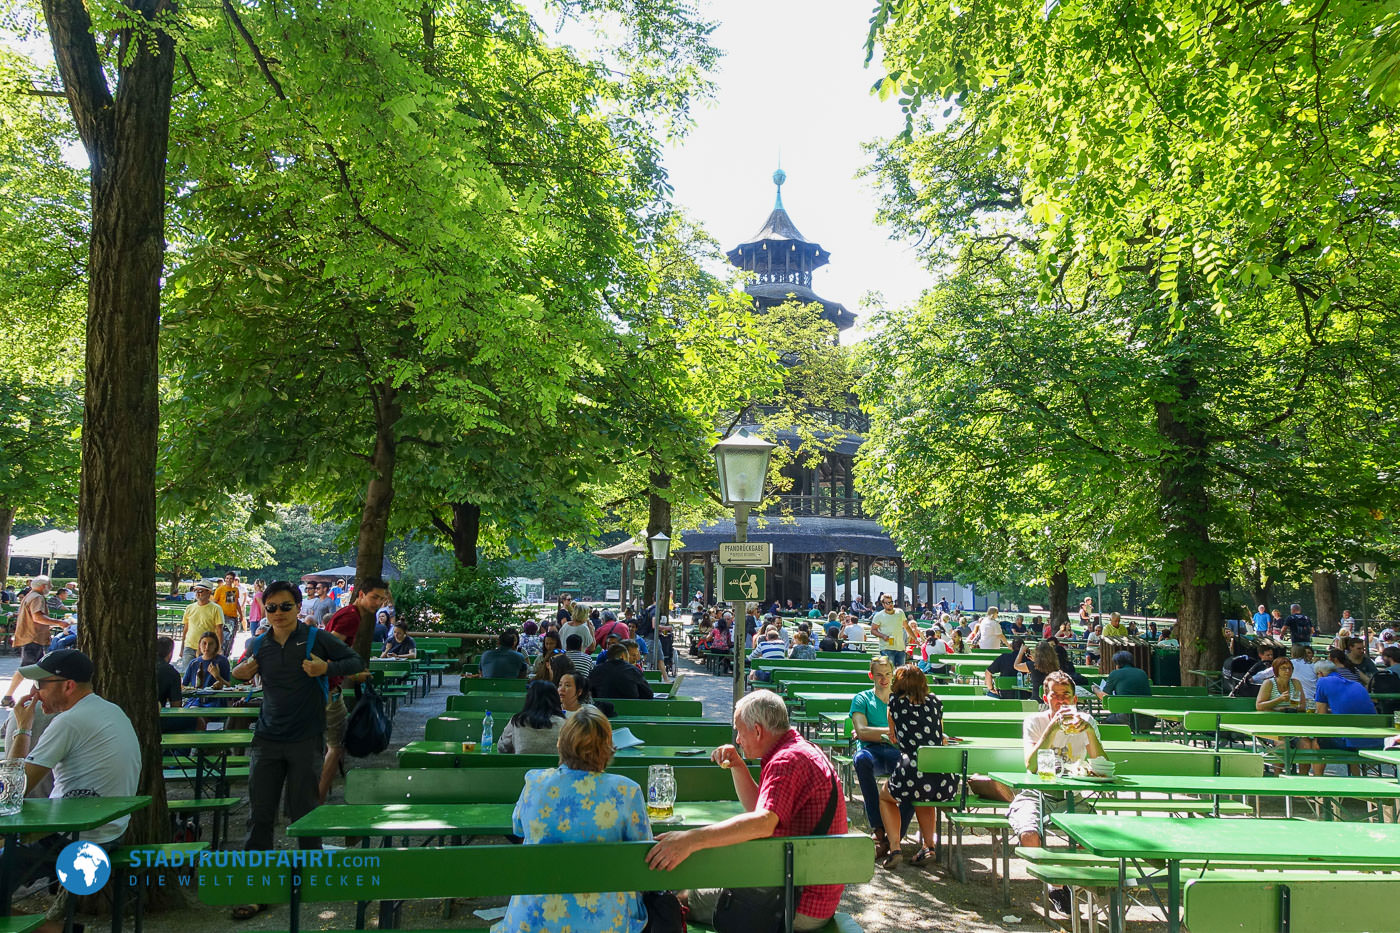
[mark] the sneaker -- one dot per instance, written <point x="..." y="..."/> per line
<point x="1059" y="901"/>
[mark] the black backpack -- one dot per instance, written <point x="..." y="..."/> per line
<point x="1386" y="681"/>
<point x="368" y="729"/>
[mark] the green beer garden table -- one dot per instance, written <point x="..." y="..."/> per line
<point x="464" y="819"/>
<point x="209" y="748"/>
<point x="1171" y="839"/>
<point x="1312" y="731"/>
<point x="425" y="754"/>
<point x="1215" y="786"/>
<point x="1389" y="756"/>
<point x="65" y="816"/>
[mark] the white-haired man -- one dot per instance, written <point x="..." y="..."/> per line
<point x="797" y="794"/>
<point x="32" y="630"/>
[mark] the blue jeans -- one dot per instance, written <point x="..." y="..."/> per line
<point x="897" y="658"/>
<point x="872" y="762"/>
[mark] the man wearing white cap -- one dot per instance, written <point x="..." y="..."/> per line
<point x="203" y="615"/>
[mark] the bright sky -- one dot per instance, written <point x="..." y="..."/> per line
<point x="793" y="79"/>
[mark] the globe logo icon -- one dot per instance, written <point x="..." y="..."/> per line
<point x="83" y="867"/>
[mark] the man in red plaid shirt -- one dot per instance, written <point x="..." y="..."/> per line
<point x="795" y="785"/>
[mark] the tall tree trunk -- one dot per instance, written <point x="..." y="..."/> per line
<point x="466" y="530"/>
<point x="1261" y="586"/>
<point x="1131" y="607"/>
<point x="7" y="524"/>
<point x="175" y="574"/>
<point x="658" y="520"/>
<point x="1185" y="504"/>
<point x="126" y="137"/>
<point x="1326" y="593"/>
<point x="379" y="498"/>
<point x="1059" y="597"/>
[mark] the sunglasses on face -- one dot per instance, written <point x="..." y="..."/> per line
<point x="288" y="606"/>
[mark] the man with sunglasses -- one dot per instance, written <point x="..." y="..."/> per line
<point x="289" y="735"/>
<point x="89" y="745"/>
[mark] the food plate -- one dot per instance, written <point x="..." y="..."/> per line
<point x="691" y="751"/>
<point x="1096" y="778"/>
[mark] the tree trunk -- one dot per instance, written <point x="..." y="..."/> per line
<point x="7" y="524"/>
<point x="466" y="530"/>
<point x="126" y="138"/>
<point x="175" y="575"/>
<point x="658" y="520"/>
<point x="1261" y="587"/>
<point x="1185" y="503"/>
<point x="1059" y="597"/>
<point x="379" y="497"/>
<point x="1131" y="607"/>
<point x="1328" y="598"/>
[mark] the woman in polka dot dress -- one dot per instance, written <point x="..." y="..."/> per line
<point x="916" y="720"/>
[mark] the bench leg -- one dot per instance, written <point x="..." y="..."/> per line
<point x="1005" y="836"/>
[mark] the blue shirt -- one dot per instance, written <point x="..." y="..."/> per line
<point x="561" y="805"/>
<point x="1347" y="697"/>
<point x="1261" y="622"/>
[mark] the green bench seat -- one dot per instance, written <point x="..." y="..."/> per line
<point x="1226" y="807"/>
<point x="502" y="783"/>
<point x="232" y="773"/>
<point x="1337" y="903"/>
<point x="496" y="870"/>
<point x="219" y="807"/>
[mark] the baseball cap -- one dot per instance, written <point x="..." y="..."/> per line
<point x="68" y="663"/>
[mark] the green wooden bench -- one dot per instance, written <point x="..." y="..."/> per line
<point x="449" y="728"/>
<point x="130" y="859"/>
<point x="509" y="704"/>
<point x="1303" y="901"/>
<point x="502" y="784"/>
<point x="219" y="807"/>
<point x="497" y="870"/>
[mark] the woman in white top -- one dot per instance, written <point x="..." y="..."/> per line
<point x="854" y="633"/>
<point x="535" y="729"/>
<point x="989" y="634"/>
<point x="578" y="625"/>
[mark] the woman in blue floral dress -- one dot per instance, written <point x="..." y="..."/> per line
<point x="579" y="802"/>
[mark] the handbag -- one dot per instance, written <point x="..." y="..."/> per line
<point x="664" y="912"/>
<point x="763" y="910"/>
<point x="368" y="728"/>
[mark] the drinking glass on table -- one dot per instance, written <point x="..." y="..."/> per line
<point x="12" y="786"/>
<point x="661" y="793"/>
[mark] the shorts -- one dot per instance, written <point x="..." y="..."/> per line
<point x="31" y="653"/>
<point x="1024" y="813"/>
<point x="335" y="720"/>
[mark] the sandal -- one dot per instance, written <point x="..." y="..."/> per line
<point x="248" y="911"/>
<point x="925" y="854"/>
<point x="893" y="859"/>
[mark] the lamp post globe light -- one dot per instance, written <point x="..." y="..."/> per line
<point x="742" y="462"/>
<point x="639" y="574"/>
<point x="660" y="546"/>
<point x="1100" y="578"/>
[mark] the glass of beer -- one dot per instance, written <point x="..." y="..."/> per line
<point x="12" y="786"/>
<point x="661" y="793"/>
<point x="1047" y="764"/>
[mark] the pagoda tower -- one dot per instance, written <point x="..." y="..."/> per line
<point x="782" y="261"/>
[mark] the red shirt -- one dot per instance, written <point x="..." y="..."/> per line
<point x="795" y="784"/>
<point x="346" y="624"/>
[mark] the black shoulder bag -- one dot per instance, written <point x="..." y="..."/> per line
<point x="764" y="910"/>
<point x="368" y="729"/>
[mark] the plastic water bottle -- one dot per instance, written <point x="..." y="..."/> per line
<point x="488" y="728"/>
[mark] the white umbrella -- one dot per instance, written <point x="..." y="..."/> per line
<point x="47" y="545"/>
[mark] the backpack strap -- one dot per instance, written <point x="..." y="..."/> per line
<point x="321" y="681"/>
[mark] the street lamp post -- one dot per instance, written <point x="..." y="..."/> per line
<point x="742" y="462"/>
<point x="639" y="573"/>
<point x="661" y="553"/>
<point x="1100" y="578"/>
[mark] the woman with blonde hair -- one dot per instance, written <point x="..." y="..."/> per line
<point x="594" y="806"/>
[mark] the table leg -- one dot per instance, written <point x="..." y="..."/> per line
<point x="1117" y="910"/>
<point x="1173" y="896"/>
<point x="7" y="870"/>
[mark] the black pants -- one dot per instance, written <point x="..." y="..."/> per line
<point x="35" y="860"/>
<point x="277" y="770"/>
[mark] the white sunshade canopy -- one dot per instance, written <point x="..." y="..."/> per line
<point x="49" y="545"/>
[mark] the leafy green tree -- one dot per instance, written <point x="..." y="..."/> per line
<point x="39" y="428"/>
<point x="222" y="535"/>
